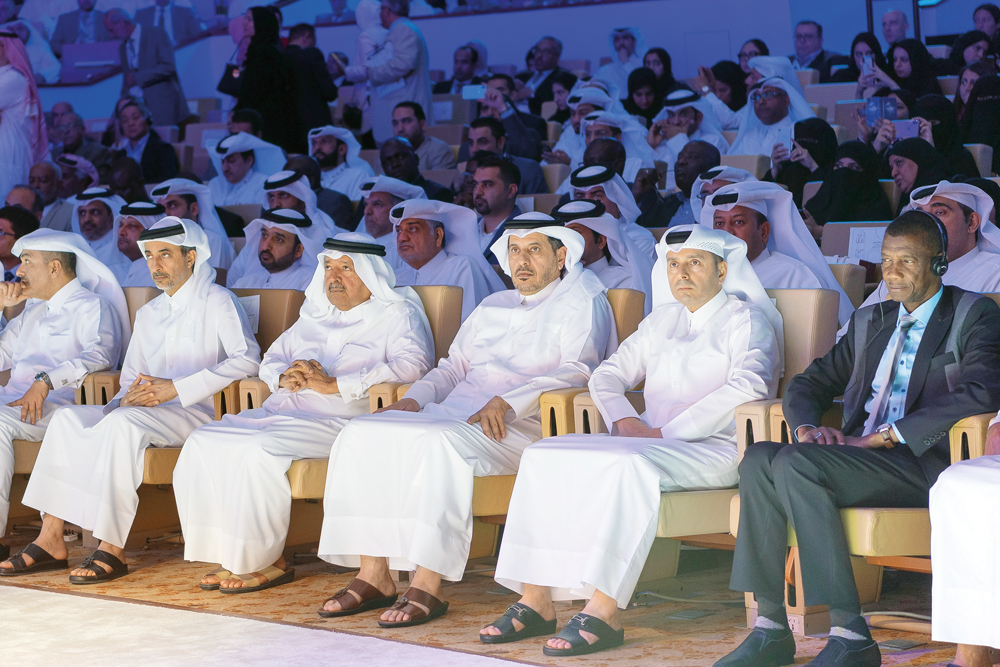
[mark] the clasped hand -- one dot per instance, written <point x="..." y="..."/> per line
<point x="148" y="392"/>
<point x="308" y="375"/>
<point x="633" y="427"/>
<point x="826" y="435"/>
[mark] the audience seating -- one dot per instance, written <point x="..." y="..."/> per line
<point x="200" y="162"/>
<point x="579" y="65"/>
<point x="809" y="190"/>
<point x="828" y="94"/>
<point x="553" y="130"/>
<point x="370" y="155"/>
<point x="238" y="243"/>
<point x="548" y="108"/>
<point x="546" y="202"/>
<point x="436" y="75"/>
<point x="169" y="133"/>
<point x="211" y="131"/>
<point x="807" y="77"/>
<point x="939" y="50"/>
<point x="449" y="134"/>
<point x="758" y="165"/>
<point x="249" y="212"/>
<point x="845" y="115"/>
<point x="983" y="155"/>
<point x="730" y="135"/>
<point x="852" y="278"/>
<point x="819" y="110"/>
<point x="185" y="155"/>
<point x="202" y="105"/>
<point x="555" y="174"/>
<point x="452" y="109"/>
<point x="949" y="84"/>
<point x="891" y="191"/>
<point x="509" y="70"/>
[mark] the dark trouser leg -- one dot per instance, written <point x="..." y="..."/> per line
<point x="759" y="561"/>
<point x="814" y="482"/>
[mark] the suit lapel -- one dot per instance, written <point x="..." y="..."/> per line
<point x="880" y="329"/>
<point x="935" y="332"/>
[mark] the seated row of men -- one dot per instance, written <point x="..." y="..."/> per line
<point x="399" y="487"/>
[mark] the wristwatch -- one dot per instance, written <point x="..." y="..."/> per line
<point x="885" y="430"/>
<point x="705" y="90"/>
<point x="44" y="377"/>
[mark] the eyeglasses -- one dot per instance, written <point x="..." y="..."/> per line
<point x="747" y="56"/>
<point x="769" y="95"/>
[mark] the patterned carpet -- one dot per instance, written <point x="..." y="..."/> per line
<point x="666" y="633"/>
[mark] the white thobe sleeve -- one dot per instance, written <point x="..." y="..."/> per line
<point x="622" y="371"/>
<point x="752" y="351"/>
<point x="279" y="357"/>
<point x="9" y="334"/>
<point x="582" y="347"/>
<point x="439" y="382"/>
<point x="409" y="354"/>
<point x="242" y="356"/>
<point x="99" y="330"/>
<point x="728" y="119"/>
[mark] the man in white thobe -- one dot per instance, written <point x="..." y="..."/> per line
<point x="685" y="117"/>
<point x="94" y="214"/>
<point x="188" y="343"/>
<point x="74" y="323"/>
<point x="569" y="149"/>
<point x="965" y="534"/>
<point x="775" y="106"/>
<point x="380" y="195"/>
<point x="711" y="181"/>
<point x="627" y="50"/>
<point x="973" y="241"/>
<point x="438" y="244"/>
<point x="291" y="189"/>
<point x="600" y="183"/>
<point x="354" y="331"/>
<point x="188" y="200"/>
<point x="626" y="129"/>
<point x="132" y="221"/>
<point x="611" y="255"/>
<point x="780" y="248"/>
<point x="280" y="252"/>
<point x="471" y="416"/>
<point x="242" y="162"/>
<point x="338" y="153"/>
<point x="712" y="343"/>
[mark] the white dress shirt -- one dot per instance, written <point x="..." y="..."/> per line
<point x="447" y="269"/>
<point x="250" y="190"/>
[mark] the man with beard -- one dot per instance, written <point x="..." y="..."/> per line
<point x="695" y="158"/>
<point x="495" y="184"/>
<point x="286" y="244"/>
<point x="400" y="161"/>
<point x="381" y="195"/>
<point x="133" y="220"/>
<point x="337" y="152"/>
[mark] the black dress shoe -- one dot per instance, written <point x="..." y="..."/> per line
<point x="762" y="648"/>
<point x="837" y="653"/>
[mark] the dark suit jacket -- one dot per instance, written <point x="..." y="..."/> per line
<point x="232" y="223"/>
<point x="314" y="85"/>
<point x="444" y="87"/>
<point x="434" y="190"/>
<point x="157" y="76"/>
<point x="159" y="159"/>
<point x="339" y="207"/>
<point x="183" y="21"/>
<point x="932" y="408"/>
<point x="544" y="91"/>
<point x="68" y="29"/>
<point x="823" y="62"/>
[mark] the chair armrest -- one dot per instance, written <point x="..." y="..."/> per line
<point x="253" y="393"/>
<point x="587" y="418"/>
<point x="753" y="423"/>
<point x="85" y="394"/>
<point x="383" y="394"/>
<point x="106" y="385"/>
<point x="968" y="437"/>
<point x="834" y="418"/>
<point x="227" y="401"/>
<point x="556" y="408"/>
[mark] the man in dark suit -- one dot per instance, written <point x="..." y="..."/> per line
<point x="399" y="160"/>
<point x="695" y="158"/>
<point x="148" y="69"/>
<point x="84" y="26"/>
<point x="539" y="84"/>
<point x="179" y="23"/>
<point x="488" y="134"/>
<point x="140" y="142"/>
<point x="465" y="61"/>
<point x="908" y="369"/>
<point x="809" y="53"/>
<point x="312" y="78"/>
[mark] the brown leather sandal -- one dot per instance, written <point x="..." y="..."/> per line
<point x="436" y="609"/>
<point x="371" y="598"/>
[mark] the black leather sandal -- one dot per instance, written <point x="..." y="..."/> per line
<point x="43" y="562"/>
<point x="534" y="625"/>
<point x="118" y="569"/>
<point x="607" y="637"/>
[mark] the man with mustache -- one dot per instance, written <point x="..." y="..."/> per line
<point x="495" y="185"/>
<point x="337" y="151"/>
<point x="355" y="330"/>
<point x="188" y="344"/>
<point x="242" y="162"/>
<point x="94" y="216"/>
<point x="286" y="244"/>
<point x="471" y="416"/>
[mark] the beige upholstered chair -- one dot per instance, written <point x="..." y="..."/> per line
<point x="758" y="165"/>
<point x="852" y="278"/>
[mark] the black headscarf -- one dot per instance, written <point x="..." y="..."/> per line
<point x="923" y="75"/>
<point x="851" y="196"/>
<point x="981" y="121"/>
<point x="904" y="96"/>
<point x="947" y="139"/>
<point x="852" y="73"/>
<point x="666" y="82"/>
<point x="932" y="168"/>
<point x="269" y="84"/>
<point x="954" y="63"/>
<point x="733" y="76"/>
<point x="638" y="78"/>
<point x="816" y="136"/>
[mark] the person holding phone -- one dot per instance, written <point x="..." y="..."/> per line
<point x="866" y="55"/>
<point x="807" y="156"/>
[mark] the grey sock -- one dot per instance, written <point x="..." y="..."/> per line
<point x="774" y="612"/>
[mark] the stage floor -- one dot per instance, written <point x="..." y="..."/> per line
<point x="655" y="634"/>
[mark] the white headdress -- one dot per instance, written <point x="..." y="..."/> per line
<point x="798" y="109"/>
<point x="633" y="135"/>
<point x="106" y="247"/>
<point x="267" y="158"/>
<point x="393" y="186"/>
<point x="461" y="231"/>
<point x="370" y="265"/>
<point x="589" y="95"/>
<point x="741" y="281"/>
<point x="287" y="220"/>
<point x="789" y="234"/>
<point x="770" y="67"/>
<point x="684" y="99"/>
<point x="148" y="214"/>
<point x="969" y="196"/>
<point x="175" y="231"/>
<point x="208" y="217"/>
<point x="730" y="174"/>
<point x="615" y="187"/>
<point x="623" y="250"/>
<point x="93" y="274"/>
<point x="297" y="184"/>
<point x="353" y="146"/>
